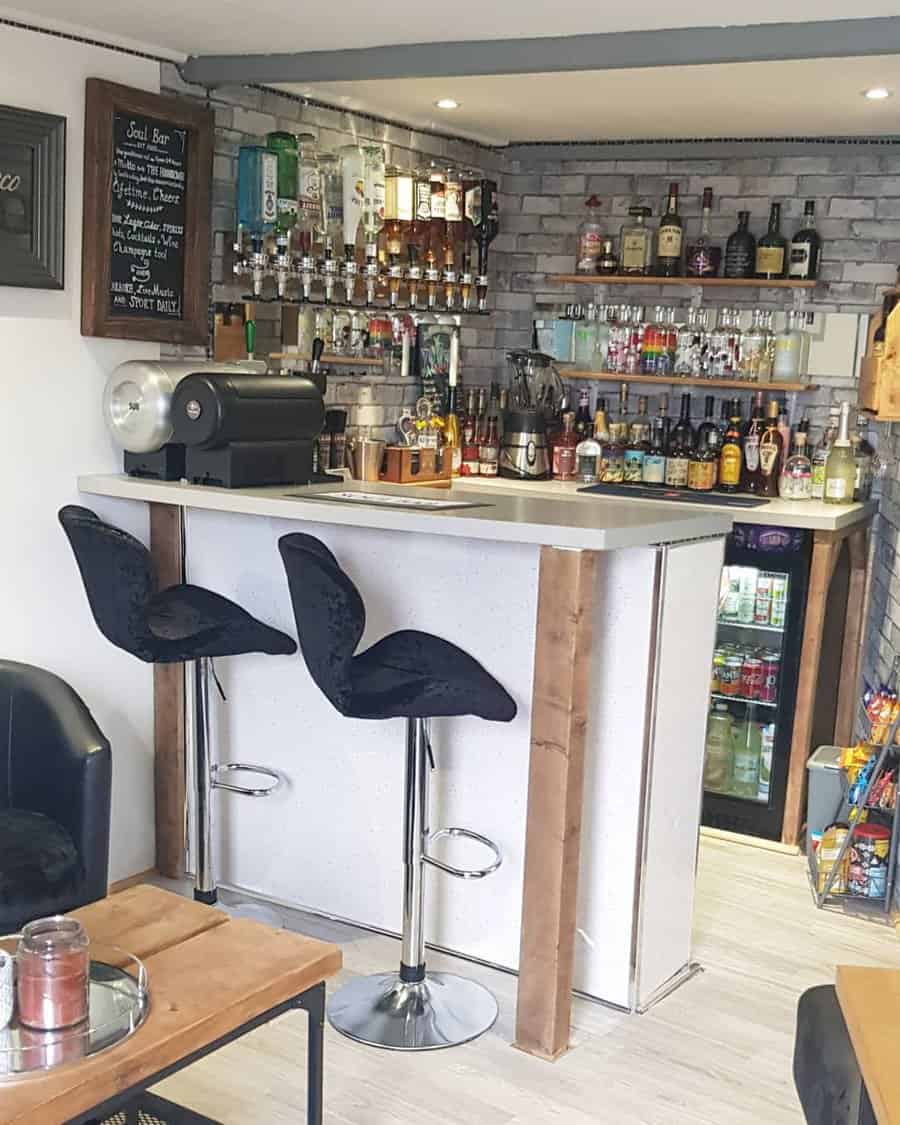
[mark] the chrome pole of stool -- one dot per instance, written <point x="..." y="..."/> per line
<point x="412" y="1010"/>
<point x="206" y="780"/>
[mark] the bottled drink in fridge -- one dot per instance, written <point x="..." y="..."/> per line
<point x="746" y="744"/>
<point x="767" y="746"/>
<point x="717" y="763"/>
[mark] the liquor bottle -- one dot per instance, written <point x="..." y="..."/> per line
<point x="653" y="469"/>
<point x="724" y="418"/>
<point x="332" y="216"/>
<point x="308" y="208"/>
<point x="731" y="455"/>
<point x="452" y="438"/>
<point x="771" y="250"/>
<point x="740" y="249"/>
<point x="803" y="257"/>
<point x="771" y="446"/>
<point x="257" y="190"/>
<point x="681" y="444"/>
<point x="703" y="256"/>
<point x="709" y="437"/>
<point x="564" y="457"/>
<point x="752" y="434"/>
<point x="608" y="262"/>
<point x="864" y="457"/>
<point x="784" y="428"/>
<point x="638" y="443"/>
<point x="373" y="213"/>
<point x="669" y="237"/>
<point x="820" y="455"/>
<point x="470" y="458"/>
<point x="788" y="350"/>
<point x="489" y="450"/>
<point x="601" y="426"/>
<point x="840" y="468"/>
<point x="583" y="416"/>
<point x="636" y="243"/>
<point x="796" y="478"/>
<point x="590" y="238"/>
<point x="585" y="337"/>
<point x="486" y="220"/>
<point x="612" y="461"/>
<point x="284" y="145"/>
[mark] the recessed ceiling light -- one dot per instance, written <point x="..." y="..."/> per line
<point x="447" y="103"/>
<point x="877" y="94"/>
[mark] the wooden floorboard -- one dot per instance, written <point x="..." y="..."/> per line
<point x="715" y="1052"/>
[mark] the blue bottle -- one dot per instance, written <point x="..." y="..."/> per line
<point x="257" y="190"/>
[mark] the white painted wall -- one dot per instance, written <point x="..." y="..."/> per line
<point x="51" y="429"/>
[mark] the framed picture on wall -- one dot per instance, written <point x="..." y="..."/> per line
<point x="32" y="198"/>
<point x="147" y="173"/>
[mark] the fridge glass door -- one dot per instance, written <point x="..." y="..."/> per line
<point x="746" y="682"/>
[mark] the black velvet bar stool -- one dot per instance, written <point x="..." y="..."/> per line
<point x="418" y="677"/>
<point x="181" y="623"/>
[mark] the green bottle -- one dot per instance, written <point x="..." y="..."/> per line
<point x="284" y="145"/>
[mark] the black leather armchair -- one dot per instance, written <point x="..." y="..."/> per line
<point x="55" y="777"/>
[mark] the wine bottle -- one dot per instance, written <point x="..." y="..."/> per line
<point x="840" y="468"/>
<point x="681" y="443"/>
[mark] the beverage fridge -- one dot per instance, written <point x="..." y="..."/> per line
<point x="756" y="665"/>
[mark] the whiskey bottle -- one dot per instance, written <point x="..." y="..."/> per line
<point x="740" y="249"/>
<point x="669" y="238"/>
<point x="803" y="258"/>
<point x="681" y="444"/>
<point x="771" y="250"/>
<point x="731" y="455"/>
<point x="636" y="243"/>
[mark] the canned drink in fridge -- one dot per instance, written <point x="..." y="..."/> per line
<point x="779" y="600"/>
<point x="730" y="675"/>
<point x="747" y="599"/>
<point x="765" y="762"/>
<point x="719" y="657"/>
<point x="763" y="607"/>
<point x="771" y="668"/>
<point x="751" y="677"/>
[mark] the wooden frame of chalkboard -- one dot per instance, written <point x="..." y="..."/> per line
<point x="145" y="244"/>
<point x="32" y="198"/>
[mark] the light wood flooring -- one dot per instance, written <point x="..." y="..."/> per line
<point x="715" y="1052"/>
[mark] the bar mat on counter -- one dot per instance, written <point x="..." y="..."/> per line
<point x="680" y="495"/>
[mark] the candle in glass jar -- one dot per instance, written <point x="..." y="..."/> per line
<point x="52" y="964"/>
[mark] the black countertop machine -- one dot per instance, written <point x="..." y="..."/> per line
<point x="221" y="424"/>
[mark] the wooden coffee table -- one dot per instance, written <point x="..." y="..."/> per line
<point x="211" y="980"/>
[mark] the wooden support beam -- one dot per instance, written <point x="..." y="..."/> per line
<point x="826" y="547"/>
<point x="167" y="549"/>
<point x="854" y="625"/>
<point x="555" y="790"/>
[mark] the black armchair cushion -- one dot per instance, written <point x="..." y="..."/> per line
<point x="404" y="675"/>
<point x="40" y="869"/>
<point x="55" y="783"/>
<point x="170" y="626"/>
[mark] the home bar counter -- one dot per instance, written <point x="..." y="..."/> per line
<point x="599" y="619"/>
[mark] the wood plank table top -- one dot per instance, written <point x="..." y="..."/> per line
<point x="870" y="1002"/>
<point x="208" y="975"/>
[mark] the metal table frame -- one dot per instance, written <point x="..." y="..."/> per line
<point x="135" y="1098"/>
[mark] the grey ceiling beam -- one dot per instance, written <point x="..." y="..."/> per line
<point x="620" y="50"/>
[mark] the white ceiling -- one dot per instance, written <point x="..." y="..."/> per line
<point x="815" y="97"/>
<point x="232" y="26"/>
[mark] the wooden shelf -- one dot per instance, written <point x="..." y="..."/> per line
<point x="687" y="282"/>
<point x="683" y="381"/>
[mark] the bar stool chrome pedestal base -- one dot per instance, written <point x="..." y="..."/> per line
<point x="443" y="1010"/>
<point x="413" y="1010"/>
<point x="210" y="776"/>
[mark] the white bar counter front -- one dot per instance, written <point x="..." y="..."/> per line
<point x="618" y="660"/>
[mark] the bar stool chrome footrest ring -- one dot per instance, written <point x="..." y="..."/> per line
<point x="443" y="1010"/>
<point x="245" y="790"/>
<point x="462" y="872"/>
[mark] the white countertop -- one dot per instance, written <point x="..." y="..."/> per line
<point x="813" y="515"/>
<point x="524" y="513"/>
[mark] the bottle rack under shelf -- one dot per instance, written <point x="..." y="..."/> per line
<point x="685" y="282"/>
<point x="370" y="310"/>
<point x="685" y="381"/>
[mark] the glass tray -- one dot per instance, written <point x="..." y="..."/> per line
<point x="118" y="1003"/>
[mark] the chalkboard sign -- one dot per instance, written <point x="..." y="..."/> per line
<point x="148" y="164"/>
<point x="32" y="198"/>
<point x="149" y="209"/>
